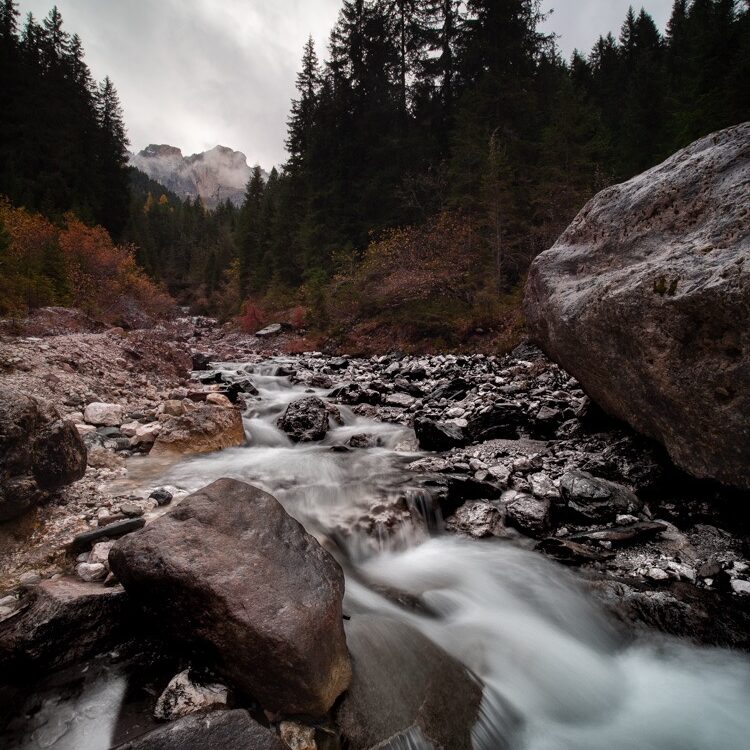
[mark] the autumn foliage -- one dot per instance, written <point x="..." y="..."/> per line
<point x="74" y="265"/>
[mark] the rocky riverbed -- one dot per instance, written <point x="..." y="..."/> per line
<point x="478" y="506"/>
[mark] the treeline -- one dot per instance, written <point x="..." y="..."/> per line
<point x="62" y="137"/>
<point x="431" y="107"/>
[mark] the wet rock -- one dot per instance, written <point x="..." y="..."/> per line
<point x="478" y="519"/>
<point x="202" y="361"/>
<point x="405" y="691"/>
<point x="623" y="535"/>
<point x="218" y="730"/>
<point x="362" y="440"/>
<point x="502" y="419"/>
<point x="230" y="573"/>
<point x="305" y="419"/>
<point x="61" y="622"/>
<point x="205" y="429"/>
<point x="594" y="499"/>
<point x="113" y="530"/>
<point x="435" y="435"/>
<point x="653" y="276"/>
<point x="530" y="515"/>
<point x="185" y="695"/>
<point x="162" y="496"/>
<point x="101" y="414"/>
<point x="572" y="553"/>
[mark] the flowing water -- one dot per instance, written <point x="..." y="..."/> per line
<point x="543" y="650"/>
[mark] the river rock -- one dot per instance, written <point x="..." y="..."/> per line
<point x="435" y="435"/>
<point x="205" y="429"/>
<point x="305" y="419"/>
<point x="39" y="452"/>
<point x="405" y="690"/>
<point x="645" y="298"/>
<point x="219" y="730"/>
<point x="530" y="515"/>
<point x="231" y="573"/>
<point x="103" y="415"/>
<point x="594" y="499"/>
<point x="62" y="621"/>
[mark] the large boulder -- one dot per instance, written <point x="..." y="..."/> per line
<point x="39" y="452"/>
<point x="220" y="730"/>
<point x="305" y="419"/>
<point x="205" y="429"/>
<point x="231" y="573"/>
<point x="645" y="298"/>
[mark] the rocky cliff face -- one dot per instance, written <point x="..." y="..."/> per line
<point x="214" y="176"/>
<point x="645" y="298"/>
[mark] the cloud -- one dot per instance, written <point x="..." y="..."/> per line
<point x="197" y="73"/>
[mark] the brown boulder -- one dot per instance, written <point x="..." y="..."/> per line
<point x="232" y="574"/>
<point x="205" y="429"/>
<point x="39" y="452"/>
<point x="645" y="298"/>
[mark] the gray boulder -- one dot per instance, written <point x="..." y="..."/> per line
<point x="593" y="500"/>
<point x="645" y="298"/>
<point x="229" y="572"/>
<point x="305" y="419"/>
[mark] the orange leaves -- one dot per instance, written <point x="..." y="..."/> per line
<point x="76" y="264"/>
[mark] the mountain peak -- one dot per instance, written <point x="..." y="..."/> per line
<point x="215" y="175"/>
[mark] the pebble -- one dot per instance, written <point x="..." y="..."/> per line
<point x="91" y="571"/>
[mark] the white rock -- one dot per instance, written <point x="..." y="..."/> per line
<point x="146" y="433"/>
<point x="91" y="571"/>
<point x="101" y="414"/>
<point x="455" y="412"/>
<point x="218" y="399"/>
<point x="297" y="736"/>
<point x="741" y="587"/>
<point x="100" y="553"/>
<point x="183" y="696"/>
<point x="657" y="574"/>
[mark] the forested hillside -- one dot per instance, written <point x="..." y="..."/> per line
<point x="435" y="147"/>
<point x="435" y="113"/>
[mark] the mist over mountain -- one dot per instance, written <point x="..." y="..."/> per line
<point x="215" y="175"/>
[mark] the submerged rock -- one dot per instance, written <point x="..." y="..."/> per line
<point x="231" y="573"/>
<point x="645" y="298"/>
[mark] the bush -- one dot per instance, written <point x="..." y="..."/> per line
<point x="72" y="265"/>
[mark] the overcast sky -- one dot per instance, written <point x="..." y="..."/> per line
<point x="197" y="73"/>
